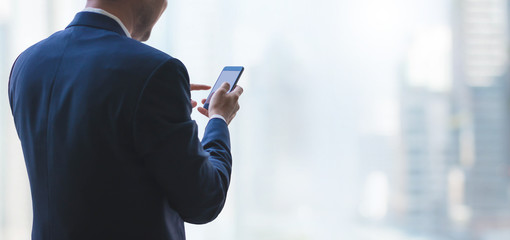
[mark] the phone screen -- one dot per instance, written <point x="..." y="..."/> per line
<point x="230" y="75"/>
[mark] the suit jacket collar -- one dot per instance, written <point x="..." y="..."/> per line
<point x="96" y="20"/>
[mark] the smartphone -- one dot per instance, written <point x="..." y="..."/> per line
<point x="230" y="75"/>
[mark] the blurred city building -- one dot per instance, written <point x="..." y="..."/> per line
<point x="481" y="113"/>
<point x="455" y="132"/>
<point x="425" y="135"/>
<point x="376" y="159"/>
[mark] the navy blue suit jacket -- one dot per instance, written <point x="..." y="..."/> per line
<point x="109" y="145"/>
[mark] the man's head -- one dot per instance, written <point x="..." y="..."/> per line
<point x="148" y="14"/>
<point x="139" y="16"/>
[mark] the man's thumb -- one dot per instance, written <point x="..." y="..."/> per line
<point x="225" y="87"/>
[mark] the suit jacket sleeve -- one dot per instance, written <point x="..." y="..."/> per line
<point x="194" y="176"/>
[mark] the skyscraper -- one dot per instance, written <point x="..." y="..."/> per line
<point x="425" y="136"/>
<point x="481" y="106"/>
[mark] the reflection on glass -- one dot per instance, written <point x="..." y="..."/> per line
<point x="369" y="119"/>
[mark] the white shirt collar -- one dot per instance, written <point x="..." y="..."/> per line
<point x="103" y="12"/>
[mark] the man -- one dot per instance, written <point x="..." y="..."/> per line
<point x="104" y="122"/>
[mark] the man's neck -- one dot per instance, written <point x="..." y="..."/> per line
<point x="103" y="12"/>
<point x="124" y="14"/>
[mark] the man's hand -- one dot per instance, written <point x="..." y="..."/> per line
<point x="194" y="87"/>
<point x="223" y="103"/>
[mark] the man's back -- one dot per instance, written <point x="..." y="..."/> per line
<point x="109" y="146"/>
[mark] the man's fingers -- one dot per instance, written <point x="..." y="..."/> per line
<point x="194" y="87"/>
<point x="224" y="103"/>
<point x="224" y="87"/>
<point x="203" y="101"/>
<point x="203" y="111"/>
<point x="193" y="103"/>
<point x="238" y="90"/>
